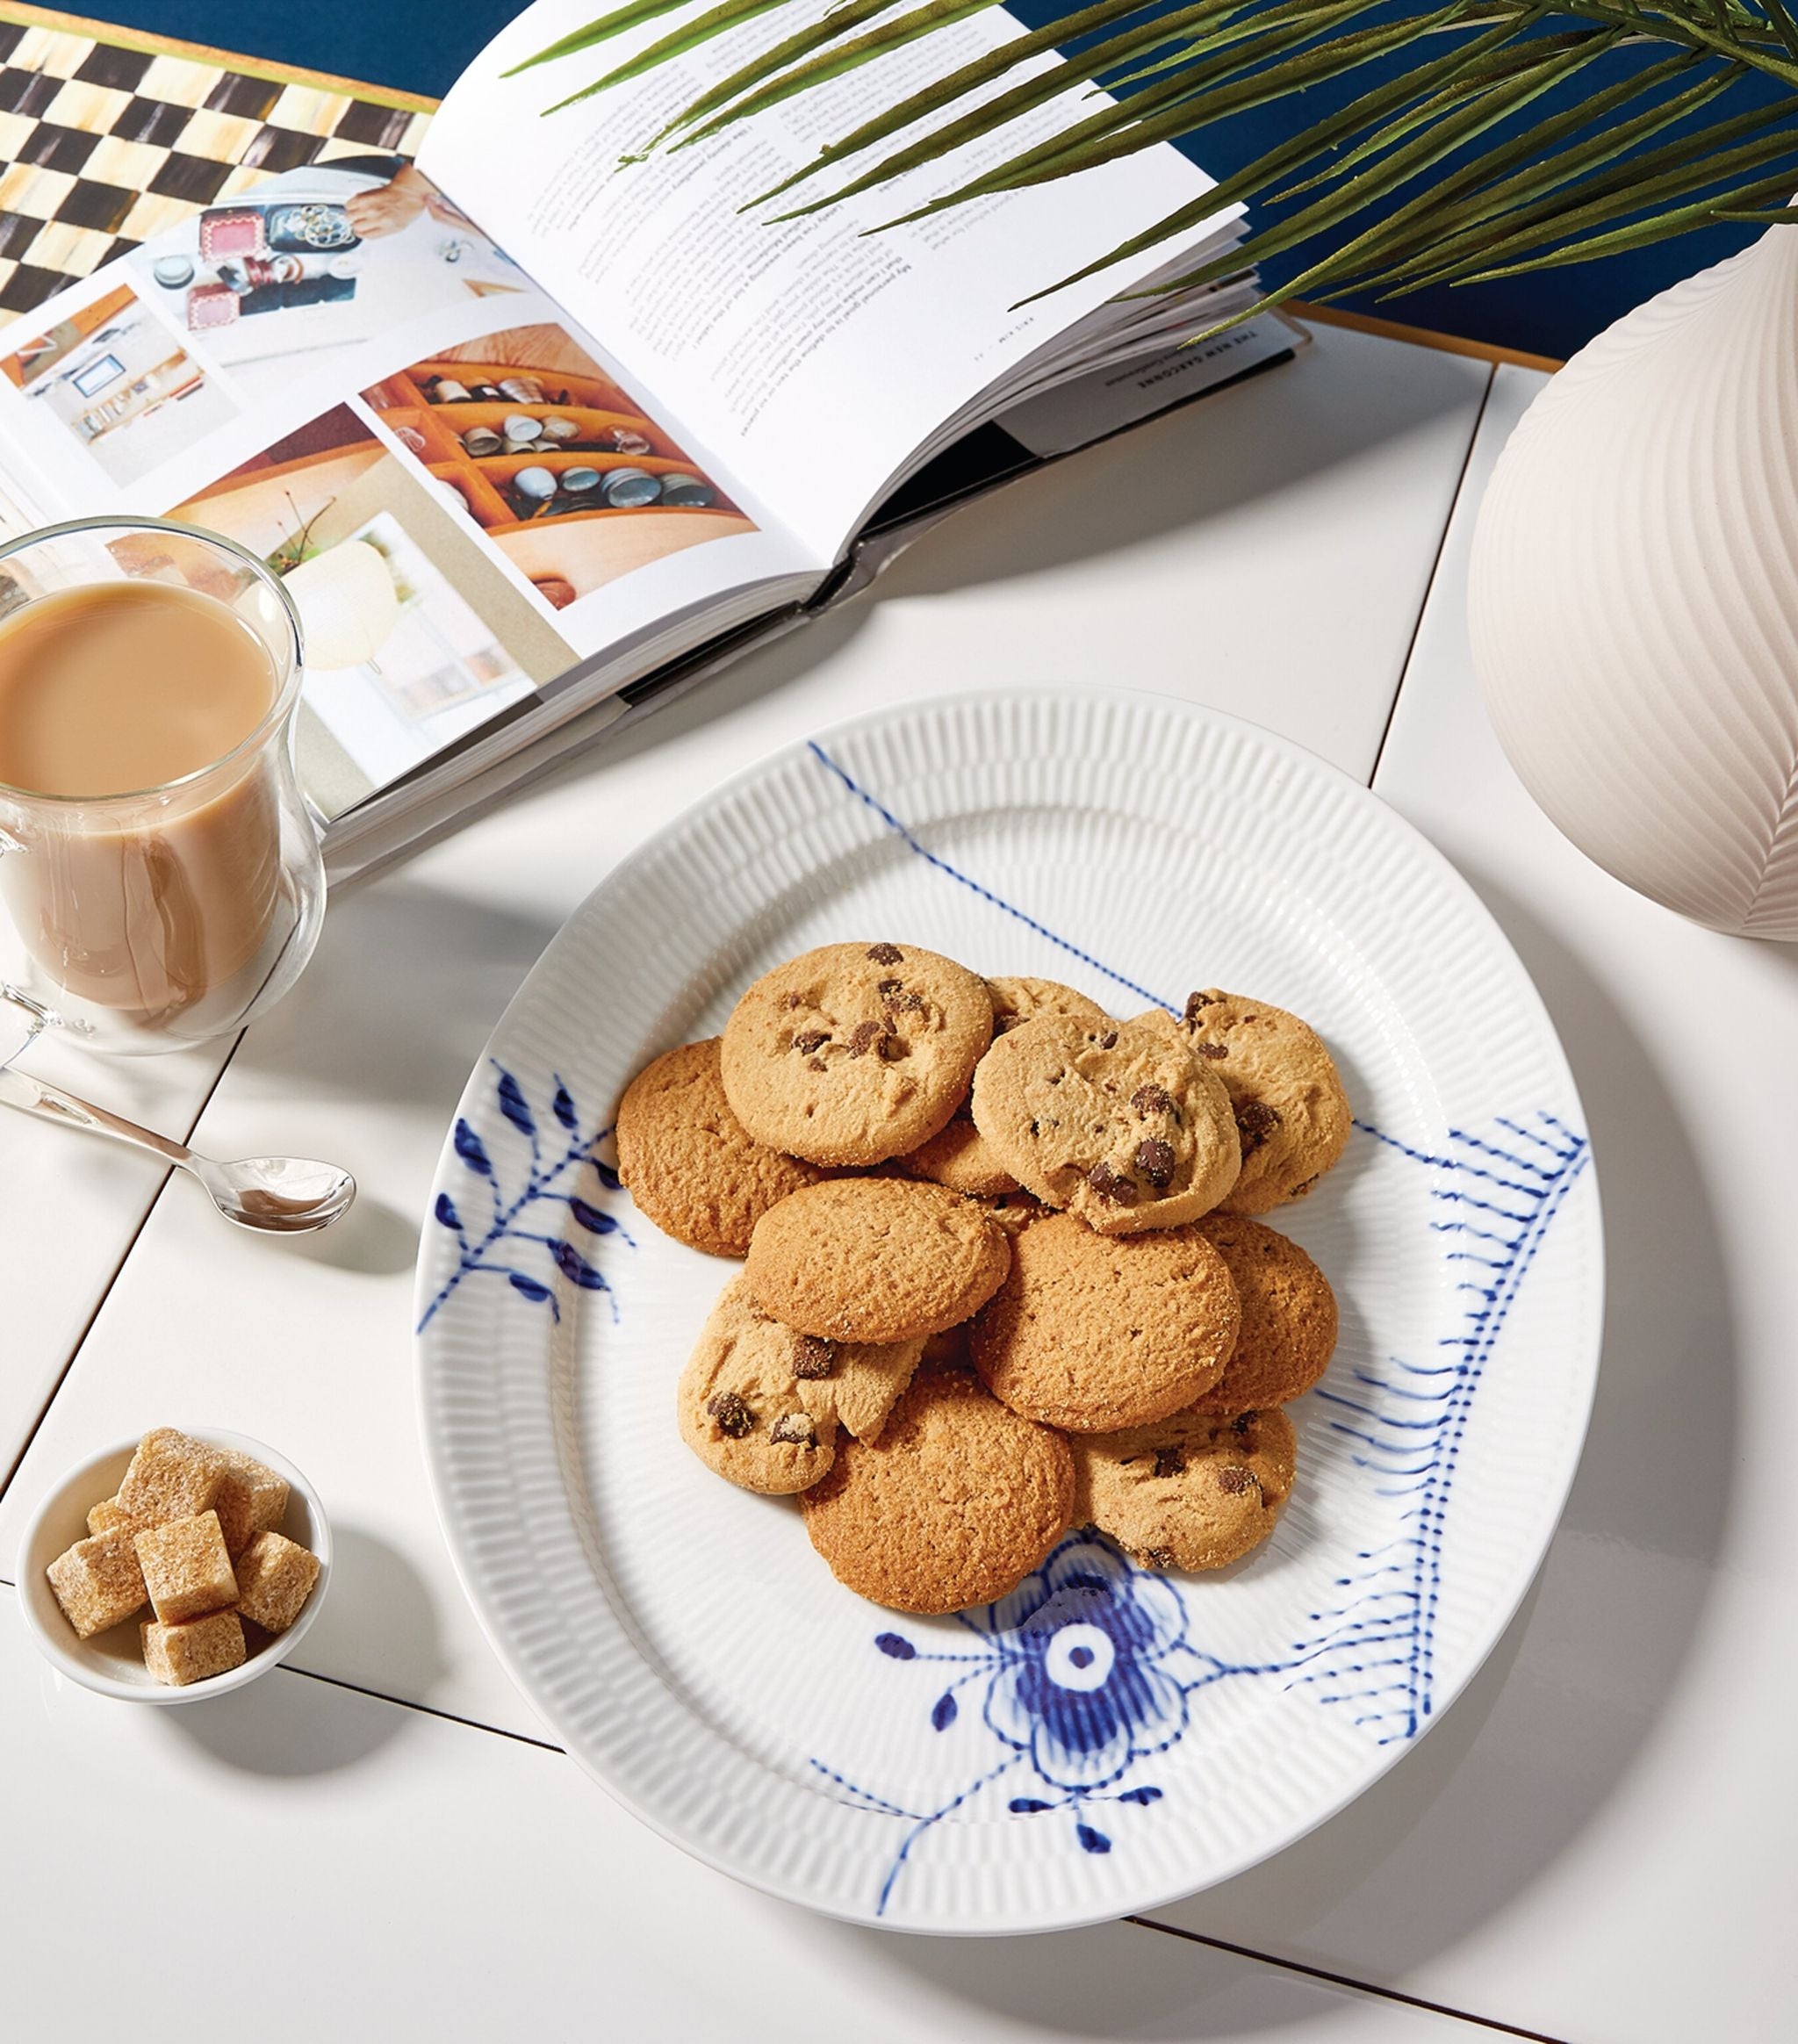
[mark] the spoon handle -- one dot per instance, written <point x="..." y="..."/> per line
<point x="32" y="1096"/>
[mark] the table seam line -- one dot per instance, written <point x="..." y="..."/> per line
<point x="1323" y="1973"/>
<point x="106" y="1290"/>
<point x="1435" y="568"/>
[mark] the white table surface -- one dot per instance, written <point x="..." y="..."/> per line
<point x="1583" y="1850"/>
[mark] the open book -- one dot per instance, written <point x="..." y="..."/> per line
<point x="533" y="433"/>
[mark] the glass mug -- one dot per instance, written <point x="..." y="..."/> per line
<point x="148" y="921"/>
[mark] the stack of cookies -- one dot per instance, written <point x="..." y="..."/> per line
<point x="1001" y="1273"/>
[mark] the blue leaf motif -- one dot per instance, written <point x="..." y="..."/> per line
<point x="513" y="1106"/>
<point x="472" y="1150"/>
<point x="529" y="1286"/>
<point x="608" y="1177"/>
<point x="1140" y="1796"/>
<point x="1026" y="1805"/>
<point x="446" y="1214"/>
<point x="590" y="1217"/>
<point x="564" y="1105"/>
<point x="943" y="1711"/>
<point x="896" y="1646"/>
<point x="1091" y="1840"/>
<point x="573" y="1266"/>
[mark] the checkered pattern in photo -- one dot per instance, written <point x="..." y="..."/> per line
<point x="102" y="146"/>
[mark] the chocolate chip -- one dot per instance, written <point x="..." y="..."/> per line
<point x="903" y="1004"/>
<point x="867" y="1035"/>
<point x="1211" y="1050"/>
<point x="1152" y="1100"/>
<point x="813" y="1357"/>
<point x="1244" y="1422"/>
<point x="1154" y="1159"/>
<point x="886" y="953"/>
<point x="1169" y="1461"/>
<point x="1256" y="1122"/>
<point x="1232" y="1481"/>
<point x="889" y="988"/>
<point x="795" y="1000"/>
<point x="794" y="1430"/>
<point x="1159" y="1557"/>
<point x="810" y="1040"/>
<point x="733" y="1415"/>
<point x="815" y="1064"/>
<point x="1196" y="1004"/>
<point x="1304" y="1186"/>
<point x="1112" y="1185"/>
<point x="1109" y="1041"/>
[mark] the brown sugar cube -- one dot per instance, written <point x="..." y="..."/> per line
<point x="186" y="1569"/>
<point x="251" y="1500"/>
<point x="273" y="1579"/>
<point x="181" y="1654"/>
<point x="106" y="1517"/>
<point x="98" y="1581"/>
<point x="172" y="1476"/>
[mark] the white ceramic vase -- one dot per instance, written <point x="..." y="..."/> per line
<point x="1633" y="596"/>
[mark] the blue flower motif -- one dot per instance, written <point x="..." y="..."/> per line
<point x="550" y="1178"/>
<point x="1081" y="1686"/>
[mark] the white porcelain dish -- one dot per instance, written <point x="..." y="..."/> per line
<point x="1058" y="1757"/>
<point x="111" y="1663"/>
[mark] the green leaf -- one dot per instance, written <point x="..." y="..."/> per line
<point x="837" y="22"/>
<point x="847" y="56"/>
<point x="1678" y="220"/>
<point x="1004" y="107"/>
<point x="714" y="21"/>
<point x="598" y="31"/>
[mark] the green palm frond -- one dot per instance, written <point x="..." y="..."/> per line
<point x="1454" y="173"/>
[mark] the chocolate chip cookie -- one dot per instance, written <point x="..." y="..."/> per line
<point x="1286" y="1096"/>
<point x="1289" y="1317"/>
<point x="1016" y="1000"/>
<point x="1094" y="1332"/>
<point x="690" y="1165"/>
<point x="1189" y="1492"/>
<point x="854" y="1052"/>
<point x="1116" y="1121"/>
<point x="958" y="1155"/>
<point x="955" y="1504"/>
<point x="875" y="1259"/>
<point x="740" y="1403"/>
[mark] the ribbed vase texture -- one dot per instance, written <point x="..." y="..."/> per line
<point x="1633" y="596"/>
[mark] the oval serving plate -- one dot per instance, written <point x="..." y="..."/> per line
<point x="974" y="1773"/>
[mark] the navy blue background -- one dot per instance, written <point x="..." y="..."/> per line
<point x="422" y="48"/>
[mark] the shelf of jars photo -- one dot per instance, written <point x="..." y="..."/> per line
<point x="514" y="447"/>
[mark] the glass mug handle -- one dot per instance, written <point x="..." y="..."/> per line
<point x="21" y="1017"/>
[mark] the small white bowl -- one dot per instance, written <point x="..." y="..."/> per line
<point x="111" y="1663"/>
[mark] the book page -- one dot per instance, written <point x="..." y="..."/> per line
<point x="471" y="499"/>
<point x="817" y="357"/>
